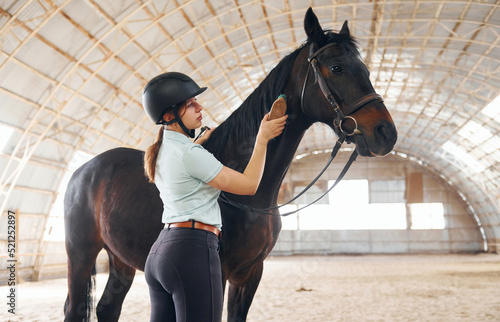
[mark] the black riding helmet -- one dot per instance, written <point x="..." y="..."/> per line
<point x="168" y="91"/>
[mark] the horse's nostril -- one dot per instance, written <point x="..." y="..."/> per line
<point x="381" y="132"/>
<point x="386" y="133"/>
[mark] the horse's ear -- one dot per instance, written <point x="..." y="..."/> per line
<point x="345" y="29"/>
<point x="313" y="30"/>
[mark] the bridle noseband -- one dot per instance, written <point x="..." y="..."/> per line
<point x="320" y="80"/>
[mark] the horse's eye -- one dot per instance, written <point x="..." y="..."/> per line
<point x="336" y="69"/>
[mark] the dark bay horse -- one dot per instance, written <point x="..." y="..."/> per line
<point x="109" y="203"/>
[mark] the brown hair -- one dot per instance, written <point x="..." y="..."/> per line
<point x="151" y="155"/>
<point x="152" y="152"/>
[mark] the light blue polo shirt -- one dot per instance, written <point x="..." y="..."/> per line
<point x="183" y="169"/>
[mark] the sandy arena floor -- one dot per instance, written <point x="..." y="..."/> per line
<point x="327" y="288"/>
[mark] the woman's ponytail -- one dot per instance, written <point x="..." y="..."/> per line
<point x="151" y="155"/>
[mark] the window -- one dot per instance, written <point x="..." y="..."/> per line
<point x="387" y="191"/>
<point x="349" y="209"/>
<point x="427" y="216"/>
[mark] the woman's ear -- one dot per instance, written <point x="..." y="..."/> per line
<point x="168" y="117"/>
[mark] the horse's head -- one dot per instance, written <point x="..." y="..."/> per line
<point x="337" y="90"/>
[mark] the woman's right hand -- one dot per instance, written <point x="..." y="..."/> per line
<point x="269" y="129"/>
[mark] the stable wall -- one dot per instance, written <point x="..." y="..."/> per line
<point x="461" y="234"/>
<point x="295" y="242"/>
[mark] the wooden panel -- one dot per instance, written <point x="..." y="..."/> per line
<point x="414" y="188"/>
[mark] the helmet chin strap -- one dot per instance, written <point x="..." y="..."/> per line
<point x="177" y="119"/>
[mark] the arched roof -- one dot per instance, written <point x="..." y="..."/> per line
<point x="71" y="74"/>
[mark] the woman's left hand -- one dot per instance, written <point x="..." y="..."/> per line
<point x="204" y="136"/>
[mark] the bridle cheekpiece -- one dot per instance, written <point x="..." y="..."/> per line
<point x="341" y="115"/>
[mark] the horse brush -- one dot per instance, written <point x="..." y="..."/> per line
<point x="279" y="108"/>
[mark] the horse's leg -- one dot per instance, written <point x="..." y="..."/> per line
<point x="120" y="279"/>
<point x="240" y="296"/>
<point x="81" y="261"/>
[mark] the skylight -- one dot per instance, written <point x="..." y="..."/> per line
<point x="475" y="133"/>
<point x="493" y="109"/>
<point x="5" y="134"/>
<point x="461" y="155"/>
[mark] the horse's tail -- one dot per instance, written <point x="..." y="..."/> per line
<point x="91" y="297"/>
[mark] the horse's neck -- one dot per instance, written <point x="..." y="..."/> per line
<point x="280" y="150"/>
<point x="280" y="155"/>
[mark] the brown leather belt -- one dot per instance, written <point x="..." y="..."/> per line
<point x="195" y="225"/>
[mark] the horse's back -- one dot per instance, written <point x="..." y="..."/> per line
<point x="92" y="176"/>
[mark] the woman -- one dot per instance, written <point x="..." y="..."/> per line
<point x="183" y="268"/>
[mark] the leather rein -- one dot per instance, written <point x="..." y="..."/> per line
<point x="340" y="117"/>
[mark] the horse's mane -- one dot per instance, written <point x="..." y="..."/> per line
<point x="348" y="44"/>
<point x="244" y="122"/>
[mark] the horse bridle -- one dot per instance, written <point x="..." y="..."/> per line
<point x="340" y="117"/>
<point x="320" y="80"/>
